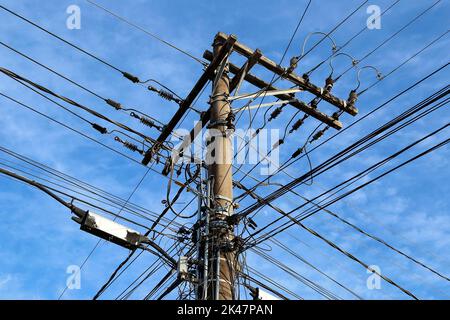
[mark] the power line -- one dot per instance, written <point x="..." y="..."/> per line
<point x="406" y="61"/>
<point x="83" y="134"/>
<point x="187" y="241"/>
<point x="116" y="105"/>
<point x="155" y="265"/>
<point x="374" y="166"/>
<point x="302" y="152"/>
<point x="332" y="30"/>
<point x="351" y="256"/>
<point x="272" y="282"/>
<point x="296" y="255"/>
<point x="384" y="104"/>
<point x="22" y="80"/>
<point x="340" y="156"/>
<point x="339" y="48"/>
<point x="306" y="214"/>
<point x="147" y="32"/>
<point x="309" y="283"/>
<point x="51" y="172"/>
<point x="392" y="36"/>
<point x="76" y="198"/>
<point x="51" y="70"/>
<point x="61" y="39"/>
<point x="383" y="242"/>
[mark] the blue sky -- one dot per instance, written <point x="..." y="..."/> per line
<point x="408" y="208"/>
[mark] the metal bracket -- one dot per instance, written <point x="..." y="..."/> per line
<point x="220" y="197"/>
<point x="216" y="124"/>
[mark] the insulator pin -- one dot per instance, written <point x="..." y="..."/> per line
<point x="335" y="116"/>
<point x="147" y="122"/>
<point x="275" y="113"/>
<point x="293" y="64"/>
<point x="314" y="102"/>
<point x="305" y="77"/>
<point x="329" y="84"/>
<point x="318" y="135"/>
<point x="298" y="123"/>
<point x="251" y="223"/>
<point x="256" y="132"/>
<point x="352" y="97"/>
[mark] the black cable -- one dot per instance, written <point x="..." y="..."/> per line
<point x="262" y="285"/>
<point x="376" y="165"/>
<point x="391" y="37"/>
<point x="125" y="74"/>
<point x="309" y="283"/>
<point x="404" y="62"/>
<point x="52" y="70"/>
<point x="383" y="242"/>
<point x="39" y="186"/>
<point x="110" y="102"/>
<point x="371" y="168"/>
<point x="124" y="294"/>
<point x="295" y="159"/>
<point x="299" y="257"/>
<point x="68" y="127"/>
<point x="169" y="289"/>
<point x="147" y="32"/>
<point x="339" y="48"/>
<point x="117" y="201"/>
<point x="351" y="256"/>
<point x="75" y="198"/>
<point x="301" y="217"/>
<point x="337" y="158"/>
<point x="22" y="79"/>
<point x="274" y="283"/>
<point x="334" y="29"/>
<point x="346" y="253"/>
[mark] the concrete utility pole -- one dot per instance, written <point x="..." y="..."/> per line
<point x="222" y="258"/>
<point x="216" y="266"/>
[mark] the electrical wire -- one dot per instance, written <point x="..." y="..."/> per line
<point x="63" y="40"/>
<point x="147" y="32"/>
<point x="392" y="36"/>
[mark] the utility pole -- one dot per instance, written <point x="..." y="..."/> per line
<point x="214" y="271"/>
<point x="222" y="257"/>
